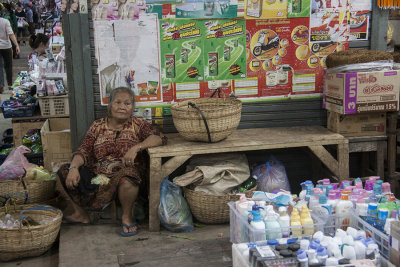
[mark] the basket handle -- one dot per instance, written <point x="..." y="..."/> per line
<point x="24" y="185"/>
<point x="204" y="119"/>
<point x="35" y="208"/>
<point x="216" y="90"/>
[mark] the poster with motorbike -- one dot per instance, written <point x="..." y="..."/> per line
<point x="207" y="9"/>
<point x="128" y="56"/>
<point x="224" y="49"/>
<point x="329" y="25"/>
<point x="181" y="44"/>
<point x="279" y="56"/>
<point x="265" y="9"/>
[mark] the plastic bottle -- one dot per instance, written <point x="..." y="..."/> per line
<point x="369" y="187"/>
<point x="378" y="191"/>
<point x="372" y="213"/>
<point x="332" y="201"/>
<point x="312" y="259"/>
<point x="284" y="221"/>
<point x="257" y="221"/>
<point x="343" y="207"/>
<point x="322" y="255"/>
<point x="295" y="222"/>
<point x="360" y="249"/>
<point x="362" y="210"/>
<point x="386" y="188"/>
<point x="302" y="258"/>
<point x="335" y="185"/>
<point x="348" y="252"/>
<point x="382" y="216"/>
<point x="272" y="226"/>
<point x="306" y="219"/>
<point x="393" y="217"/>
<point x="304" y="186"/>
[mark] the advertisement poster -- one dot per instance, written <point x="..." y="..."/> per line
<point x="117" y="9"/>
<point x="359" y="24"/>
<point x="224" y="49"/>
<point x="326" y="26"/>
<point x="265" y="9"/>
<point x="207" y="9"/>
<point x="164" y="11"/>
<point x="128" y="56"/>
<point x="281" y="61"/>
<point x="359" y="5"/>
<point x="181" y="43"/>
<point x="299" y="8"/>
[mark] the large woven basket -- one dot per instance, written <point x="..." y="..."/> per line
<point x="35" y="191"/>
<point x="211" y="209"/>
<point x="222" y="117"/>
<point x="29" y="241"/>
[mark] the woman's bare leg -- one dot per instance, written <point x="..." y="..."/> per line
<point x="127" y="193"/>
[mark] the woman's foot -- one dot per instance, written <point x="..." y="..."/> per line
<point x="76" y="218"/>
<point x="128" y="226"/>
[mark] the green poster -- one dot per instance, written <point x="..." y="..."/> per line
<point x="224" y="49"/>
<point x="181" y="43"/>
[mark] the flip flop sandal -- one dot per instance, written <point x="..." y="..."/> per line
<point x="67" y="221"/>
<point x="127" y="227"/>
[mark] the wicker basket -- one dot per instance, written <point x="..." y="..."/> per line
<point x="211" y="209"/>
<point x="222" y="116"/>
<point x="29" y="241"/>
<point x="36" y="191"/>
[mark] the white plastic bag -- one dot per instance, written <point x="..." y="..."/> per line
<point x="271" y="176"/>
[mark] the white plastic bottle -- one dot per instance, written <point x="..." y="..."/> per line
<point x="258" y="224"/>
<point x="332" y="201"/>
<point x="284" y="221"/>
<point x="343" y="207"/>
<point x="272" y="226"/>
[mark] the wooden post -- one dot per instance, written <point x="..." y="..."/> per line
<point x="380" y="18"/>
<point x="155" y="182"/>
<point x="391" y="143"/>
<point x="343" y="158"/>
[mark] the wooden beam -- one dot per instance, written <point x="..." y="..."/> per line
<point x="326" y="158"/>
<point x="343" y="159"/>
<point x="172" y="164"/>
<point x="380" y="18"/>
<point x="155" y="182"/>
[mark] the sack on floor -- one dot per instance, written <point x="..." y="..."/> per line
<point x="15" y="164"/>
<point x="271" y="176"/>
<point x="173" y="210"/>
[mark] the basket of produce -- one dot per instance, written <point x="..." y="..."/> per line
<point x="207" y="119"/>
<point x="211" y="209"/>
<point x="27" y="230"/>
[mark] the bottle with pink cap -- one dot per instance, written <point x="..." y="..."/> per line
<point x="386" y="188"/>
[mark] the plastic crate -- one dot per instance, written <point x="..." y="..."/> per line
<point x="335" y="221"/>
<point x="17" y="111"/>
<point x="54" y="105"/>
<point x="242" y="232"/>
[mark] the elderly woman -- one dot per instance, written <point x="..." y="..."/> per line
<point x="112" y="147"/>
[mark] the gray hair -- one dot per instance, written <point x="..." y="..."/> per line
<point x="116" y="91"/>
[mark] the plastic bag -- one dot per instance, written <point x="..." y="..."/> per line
<point x="38" y="174"/>
<point x="15" y="163"/>
<point x="271" y="176"/>
<point x="173" y="210"/>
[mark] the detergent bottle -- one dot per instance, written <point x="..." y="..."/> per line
<point x="257" y="222"/>
<point x="306" y="221"/>
<point x="304" y="186"/>
<point x="284" y="221"/>
<point x="272" y="226"/>
<point x="343" y="209"/>
<point x="295" y="222"/>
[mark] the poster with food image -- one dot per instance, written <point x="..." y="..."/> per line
<point x="329" y="26"/>
<point x="298" y="8"/>
<point x="224" y="49"/>
<point x="265" y="9"/>
<point x="164" y="11"/>
<point x="207" y="9"/>
<point x="280" y="57"/>
<point x="222" y="88"/>
<point x="358" y="25"/>
<point x="181" y="44"/>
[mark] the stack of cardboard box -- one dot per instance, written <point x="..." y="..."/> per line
<point x="357" y="102"/>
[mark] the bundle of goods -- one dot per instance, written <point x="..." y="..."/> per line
<point x="209" y="181"/>
<point x="25" y="182"/>
<point x="207" y="119"/>
<point x="396" y="59"/>
<point x="19" y="107"/>
<point x="345" y="248"/>
<point x="27" y="230"/>
<point x="356" y="56"/>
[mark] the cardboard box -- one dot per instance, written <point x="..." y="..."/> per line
<point x="361" y="92"/>
<point x="394" y="243"/>
<point x="21" y="128"/>
<point x="357" y="124"/>
<point x="56" y="141"/>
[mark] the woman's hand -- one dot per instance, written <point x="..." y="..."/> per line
<point x="73" y="178"/>
<point x="129" y="158"/>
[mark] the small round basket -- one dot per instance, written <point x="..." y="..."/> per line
<point x="221" y="115"/>
<point x="29" y="241"/>
<point x="211" y="209"/>
<point x="30" y="190"/>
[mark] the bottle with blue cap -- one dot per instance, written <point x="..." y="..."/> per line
<point x="302" y="258"/>
<point x="372" y="213"/>
<point x="258" y="223"/>
<point x="322" y="255"/>
<point x="304" y="186"/>
<point x="382" y="216"/>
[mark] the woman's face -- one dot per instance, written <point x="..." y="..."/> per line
<point x="74" y="5"/>
<point x="122" y="106"/>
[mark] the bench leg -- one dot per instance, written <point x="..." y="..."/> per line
<point x="343" y="159"/>
<point x="380" y="159"/>
<point x="155" y="182"/>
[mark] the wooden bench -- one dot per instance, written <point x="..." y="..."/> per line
<point x="180" y="150"/>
